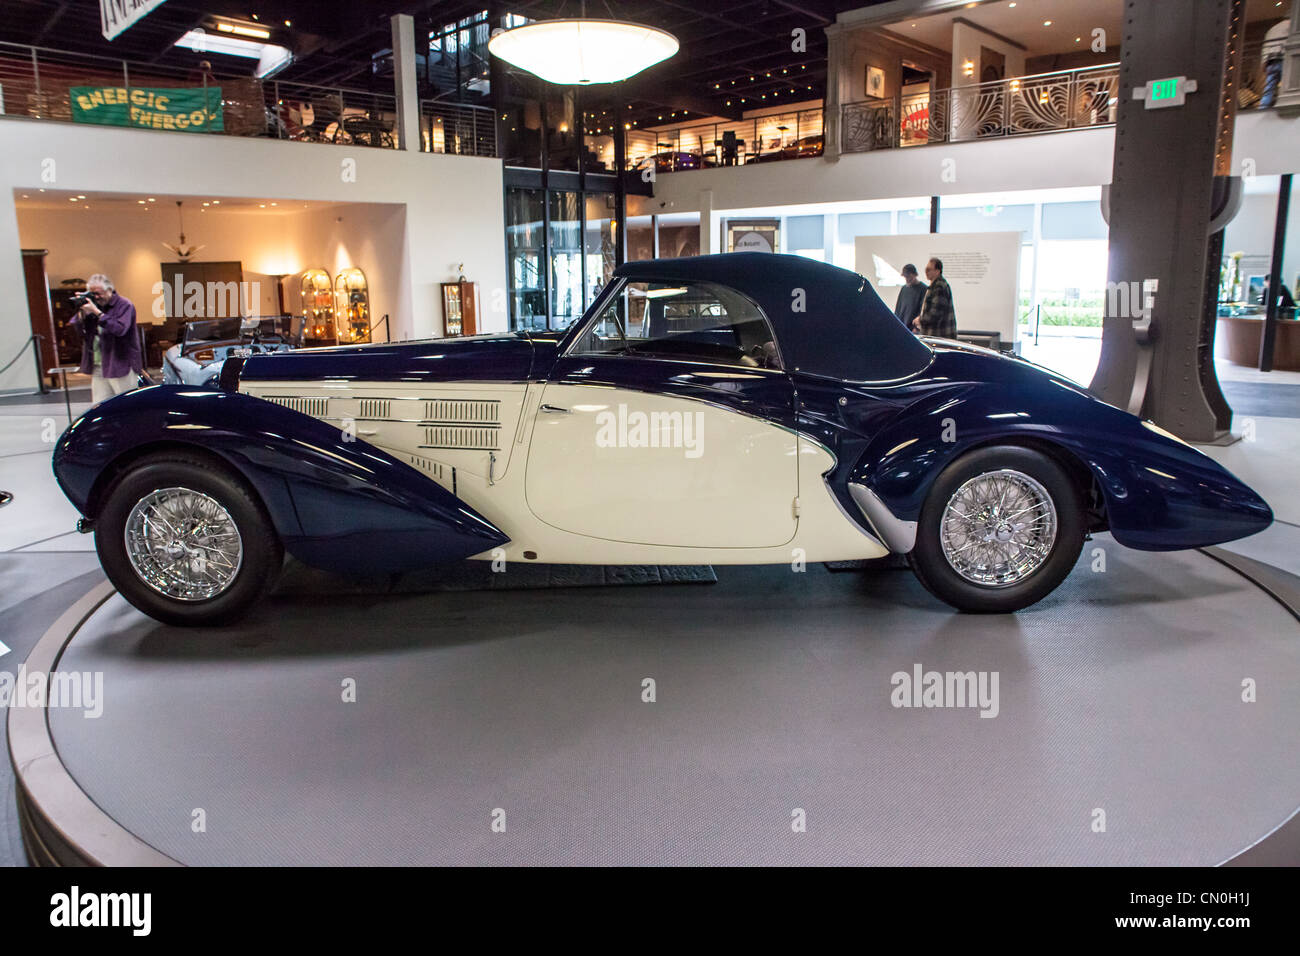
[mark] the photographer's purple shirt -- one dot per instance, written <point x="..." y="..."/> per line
<point x="119" y="343"/>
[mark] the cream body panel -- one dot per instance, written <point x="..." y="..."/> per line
<point x="822" y="531"/>
<point x="718" y="478"/>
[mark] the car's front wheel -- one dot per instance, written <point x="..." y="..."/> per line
<point x="1001" y="528"/>
<point x="186" y="541"/>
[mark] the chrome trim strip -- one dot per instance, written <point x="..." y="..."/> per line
<point x="898" y="535"/>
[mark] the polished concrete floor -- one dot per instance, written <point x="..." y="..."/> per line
<point x="774" y="696"/>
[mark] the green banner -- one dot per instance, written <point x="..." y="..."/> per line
<point x="192" y="110"/>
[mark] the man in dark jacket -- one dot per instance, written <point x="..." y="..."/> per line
<point x="910" y="296"/>
<point x="937" y="316"/>
<point x="110" y="350"/>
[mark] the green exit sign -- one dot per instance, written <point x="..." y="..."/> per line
<point x="1164" y="89"/>
<point x="1165" y="92"/>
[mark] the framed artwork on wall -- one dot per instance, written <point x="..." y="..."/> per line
<point x="875" y="81"/>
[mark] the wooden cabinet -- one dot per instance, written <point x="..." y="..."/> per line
<point x="460" y="308"/>
<point x="67" y="336"/>
<point x="39" y="309"/>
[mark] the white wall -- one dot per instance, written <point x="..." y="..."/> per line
<point x="966" y="43"/>
<point x="983" y="269"/>
<point x="453" y="204"/>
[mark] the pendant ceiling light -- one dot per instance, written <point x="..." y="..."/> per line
<point x="583" y="51"/>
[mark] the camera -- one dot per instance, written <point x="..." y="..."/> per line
<point x="77" y="301"/>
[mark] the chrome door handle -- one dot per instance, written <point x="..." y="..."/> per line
<point x="553" y="409"/>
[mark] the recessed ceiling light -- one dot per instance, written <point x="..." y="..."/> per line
<point x="140" y="201"/>
<point x="1047" y="23"/>
<point x="1012" y="4"/>
<point x="72" y="199"/>
<point x="151" y="199"/>
<point x="80" y="196"/>
<point x="216" y="202"/>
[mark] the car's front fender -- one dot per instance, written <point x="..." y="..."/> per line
<point x="1160" y="494"/>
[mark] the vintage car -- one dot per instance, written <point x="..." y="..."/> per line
<point x="737" y="409"/>
<point x="206" y="344"/>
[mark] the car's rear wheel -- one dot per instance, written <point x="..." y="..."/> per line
<point x="1001" y="528"/>
<point x="186" y="541"/>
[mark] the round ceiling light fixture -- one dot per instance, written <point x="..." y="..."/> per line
<point x="582" y="51"/>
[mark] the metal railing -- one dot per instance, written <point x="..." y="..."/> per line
<point x="72" y="87"/>
<point x="1016" y="106"/>
<point x="759" y="139"/>
<point x="457" y="128"/>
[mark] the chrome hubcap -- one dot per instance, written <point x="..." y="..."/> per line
<point x="998" y="528"/>
<point x="183" y="544"/>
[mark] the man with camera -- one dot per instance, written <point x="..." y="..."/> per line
<point x="110" y="350"/>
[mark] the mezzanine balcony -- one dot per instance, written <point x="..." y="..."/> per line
<point x="52" y="85"/>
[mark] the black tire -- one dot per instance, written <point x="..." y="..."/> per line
<point x="937" y="572"/>
<point x="261" y="553"/>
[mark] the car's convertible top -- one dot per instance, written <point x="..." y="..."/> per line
<point x="829" y="321"/>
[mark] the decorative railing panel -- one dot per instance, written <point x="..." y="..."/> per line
<point x="1016" y="106"/>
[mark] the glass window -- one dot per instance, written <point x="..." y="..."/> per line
<point x="566" y="259"/>
<point x="599" y="238"/>
<point x="991" y="217"/>
<point x="685" y="322"/>
<point x="524" y="217"/>
<point x="1074" y="220"/>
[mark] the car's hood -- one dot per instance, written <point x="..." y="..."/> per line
<point x="508" y="357"/>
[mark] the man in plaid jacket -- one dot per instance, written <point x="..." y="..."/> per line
<point x="937" y="316"/>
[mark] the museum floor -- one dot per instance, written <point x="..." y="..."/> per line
<point x="1120" y="692"/>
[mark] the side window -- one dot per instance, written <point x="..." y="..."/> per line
<point x="688" y="322"/>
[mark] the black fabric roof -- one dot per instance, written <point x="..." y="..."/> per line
<point x="843" y="330"/>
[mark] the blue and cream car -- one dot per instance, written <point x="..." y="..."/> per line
<point x="737" y="409"/>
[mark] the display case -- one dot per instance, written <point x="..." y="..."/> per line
<point x="460" y="307"/>
<point x="317" y="308"/>
<point x="352" y="306"/>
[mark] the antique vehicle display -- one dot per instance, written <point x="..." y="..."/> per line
<point x="206" y="344"/>
<point x="729" y="409"/>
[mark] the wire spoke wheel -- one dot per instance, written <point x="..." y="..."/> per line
<point x="998" y="528"/>
<point x="183" y="544"/>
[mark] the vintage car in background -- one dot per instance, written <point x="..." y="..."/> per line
<point x="795" y="149"/>
<point x="737" y="409"/>
<point x="206" y="344"/>
<point x="668" y="162"/>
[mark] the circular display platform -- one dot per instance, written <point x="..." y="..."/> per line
<point x="410" y="728"/>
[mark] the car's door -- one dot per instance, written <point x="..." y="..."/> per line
<point x="669" y="421"/>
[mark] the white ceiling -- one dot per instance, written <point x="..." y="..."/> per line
<point x="153" y="202"/>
